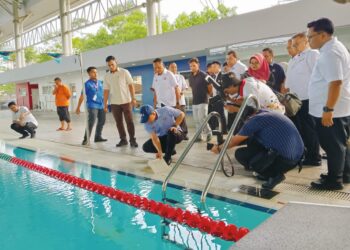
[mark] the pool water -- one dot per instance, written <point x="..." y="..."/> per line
<point x="39" y="212"/>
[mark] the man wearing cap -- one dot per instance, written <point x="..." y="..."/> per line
<point x="163" y="126"/>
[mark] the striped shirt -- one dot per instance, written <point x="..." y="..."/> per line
<point x="275" y="131"/>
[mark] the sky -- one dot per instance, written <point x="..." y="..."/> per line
<point x="171" y="8"/>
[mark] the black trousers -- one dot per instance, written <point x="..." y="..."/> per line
<point x="306" y="126"/>
<point x="168" y="143"/>
<point x="28" y="128"/>
<point x="273" y="167"/>
<point x="335" y="142"/>
<point x="63" y="113"/>
<point x="94" y="114"/>
<point x="213" y="122"/>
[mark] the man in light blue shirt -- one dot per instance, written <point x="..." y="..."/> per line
<point x="163" y="126"/>
<point x="94" y="96"/>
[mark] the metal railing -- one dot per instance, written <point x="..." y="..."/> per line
<point x="187" y="149"/>
<point x="226" y="143"/>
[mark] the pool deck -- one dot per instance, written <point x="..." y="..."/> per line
<point x="193" y="173"/>
<point x="301" y="226"/>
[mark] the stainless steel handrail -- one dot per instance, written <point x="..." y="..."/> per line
<point x="187" y="149"/>
<point x="227" y="141"/>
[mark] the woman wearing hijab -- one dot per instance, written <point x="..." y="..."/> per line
<point x="260" y="70"/>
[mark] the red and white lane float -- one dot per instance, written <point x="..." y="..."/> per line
<point x="205" y="224"/>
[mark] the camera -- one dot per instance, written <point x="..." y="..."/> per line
<point x="220" y="98"/>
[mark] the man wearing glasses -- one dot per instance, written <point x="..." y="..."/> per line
<point x="329" y="102"/>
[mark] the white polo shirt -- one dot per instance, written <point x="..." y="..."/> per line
<point x="332" y="65"/>
<point x="28" y="118"/>
<point x="266" y="98"/>
<point x="118" y="85"/>
<point x="180" y="79"/>
<point x="239" y="69"/>
<point x="299" y="73"/>
<point x="164" y="87"/>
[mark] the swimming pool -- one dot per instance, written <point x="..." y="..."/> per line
<point x="38" y="212"/>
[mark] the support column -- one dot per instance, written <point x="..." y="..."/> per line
<point x="151" y="17"/>
<point x="160" y="31"/>
<point x="66" y="27"/>
<point x="18" y="29"/>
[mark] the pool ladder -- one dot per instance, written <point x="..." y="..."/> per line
<point x="221" y="154"/>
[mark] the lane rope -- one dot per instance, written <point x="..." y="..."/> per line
<point x="205" y="224"/>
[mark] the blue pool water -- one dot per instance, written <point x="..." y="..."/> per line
<point x="38" y="212"/>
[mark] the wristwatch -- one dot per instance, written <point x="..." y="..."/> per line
<point x="326" y="109"/>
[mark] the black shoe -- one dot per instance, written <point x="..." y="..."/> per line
<point x="24" y="136"/>
<point x="85" y="142"/>
<point x="346" y="180"/>
<point x="324" y="156"/>
<point x="315" y="163"/>
<point x="167" y="160"/>
<point x="325" y="184"/>
<point x="122" y="143"/>
<point x="273" y="181"/>
<point x="174" y="152"/>
<point x="133" y="143"/>
<point x="100" y="139"/>
<point x="32" y="135"/>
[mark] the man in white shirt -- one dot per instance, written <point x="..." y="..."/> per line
<point x="292" y="52"/>
<point x="118" y="85"/>
<point x="235" y="65"/>
<point x="297" y="81"/>
<point x="23" y="121"/>
<point x="166" y="91"/>
<point x="250" y="86"/>
<point x="182" y="84"/>
<point x="329" y="102"/>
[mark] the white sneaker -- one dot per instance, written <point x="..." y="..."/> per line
<point x="158" y="166"/>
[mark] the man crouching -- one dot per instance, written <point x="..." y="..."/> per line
<point x="163" y="126"/>
<point x="274" y="146"/>
<point x="23" y="121"/>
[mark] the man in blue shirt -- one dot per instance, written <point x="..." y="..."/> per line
<point x="163" y="124"/>
<point x="94" y="95"/>
<point x="276" y="70"/>
<point x="274" y="146"/>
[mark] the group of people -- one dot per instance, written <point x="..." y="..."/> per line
<point x="318" y="73"/>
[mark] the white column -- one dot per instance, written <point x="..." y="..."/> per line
<point x="160" y="31"/>
<point x="66" y="27"/>
<point x="18" y="29"/>
<point x="151" y="17"/>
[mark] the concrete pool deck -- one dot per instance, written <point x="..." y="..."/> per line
<point x="193" y="173"/>
<point x="301" y="226"/>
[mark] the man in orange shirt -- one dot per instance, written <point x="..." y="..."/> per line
<point x="62" y="93"/>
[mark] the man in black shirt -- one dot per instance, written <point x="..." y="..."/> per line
<point x="201" y="89"/>
<point x="276" y="70"/>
